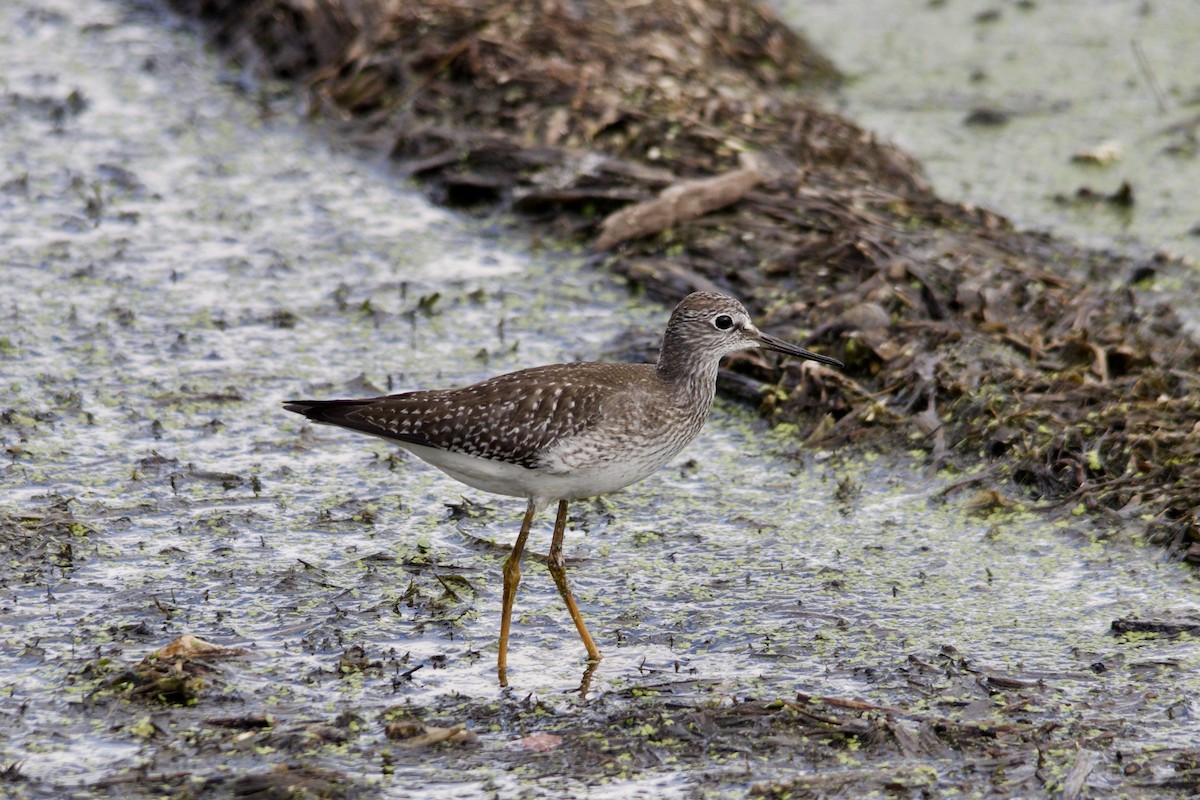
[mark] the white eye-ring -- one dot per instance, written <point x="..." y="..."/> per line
<point x="723" y="322"/>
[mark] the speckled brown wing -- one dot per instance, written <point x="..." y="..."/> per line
<point x="511" y="418"/>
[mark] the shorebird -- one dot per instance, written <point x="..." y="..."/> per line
<point x="566" y="431"/>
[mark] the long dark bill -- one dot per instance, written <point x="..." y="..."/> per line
<point x="779" y="345"/>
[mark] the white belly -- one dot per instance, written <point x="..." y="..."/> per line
<point x="500" y="477"/>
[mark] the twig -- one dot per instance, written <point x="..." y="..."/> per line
<point x="1148" y="74"/>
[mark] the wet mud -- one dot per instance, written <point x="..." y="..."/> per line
<point x="202" y="596"/>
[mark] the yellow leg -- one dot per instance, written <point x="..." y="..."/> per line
<point x="512" y="579"/>
<point x="558" y="571"/>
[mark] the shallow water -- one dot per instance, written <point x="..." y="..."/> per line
<point x="1070" y="76"/>
<point x="177" y="263"/>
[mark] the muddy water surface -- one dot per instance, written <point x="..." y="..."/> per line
<point x="178" y="260"/>
<point x="997" y="100"/>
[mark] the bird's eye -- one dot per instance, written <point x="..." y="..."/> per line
<point x="723" y="322"/>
